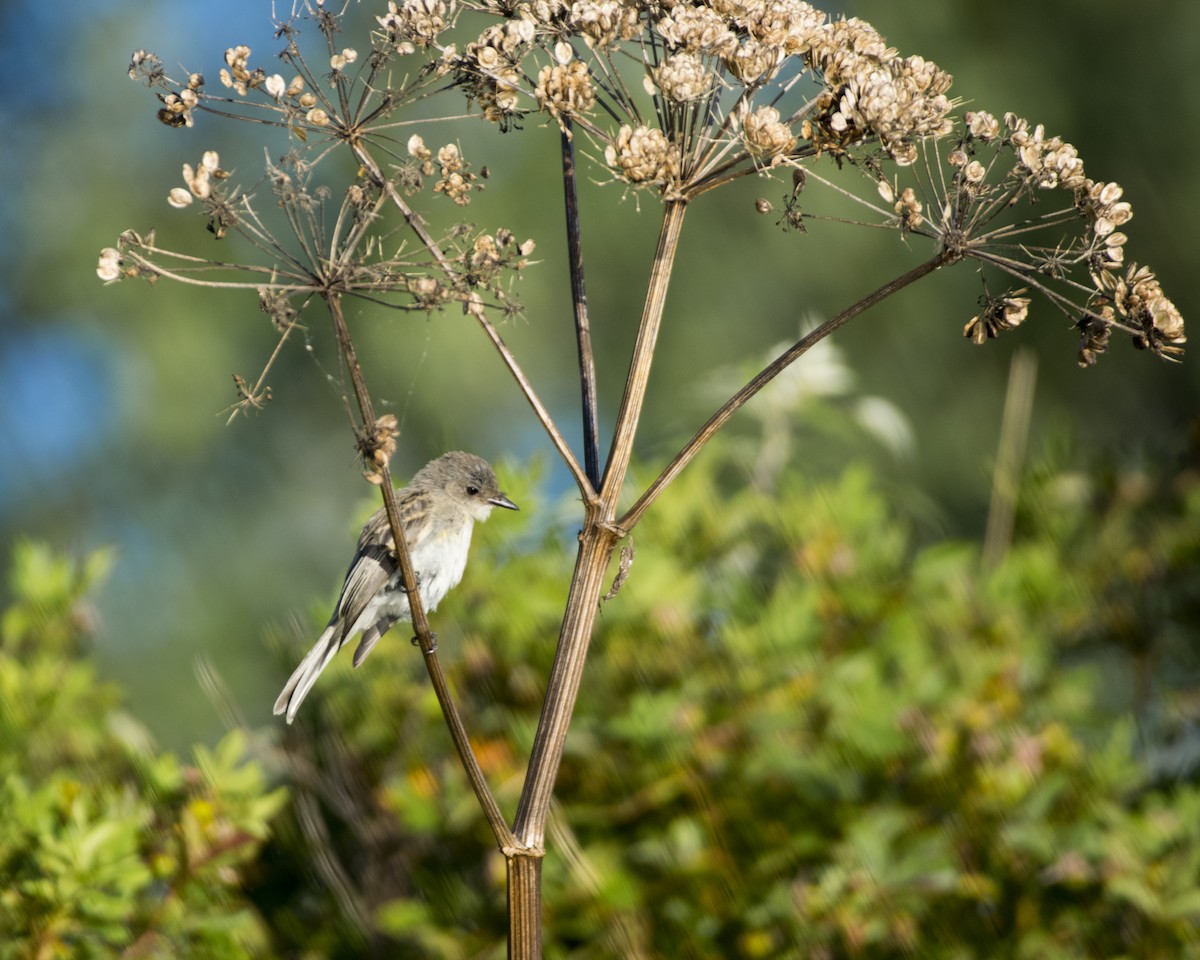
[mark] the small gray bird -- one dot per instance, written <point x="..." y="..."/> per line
<point x="437" y="510"/>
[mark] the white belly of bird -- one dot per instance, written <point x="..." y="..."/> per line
<point x="439" y="564"/>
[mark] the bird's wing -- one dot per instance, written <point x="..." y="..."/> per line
<point x="370" y="570"/>
<point x="374" y="562"/>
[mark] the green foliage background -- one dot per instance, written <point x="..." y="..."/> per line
<point x="108" y="846"/>
<point x="801" y="735"/>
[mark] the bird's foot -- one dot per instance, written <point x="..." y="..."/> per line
<point x="416" y="642"/>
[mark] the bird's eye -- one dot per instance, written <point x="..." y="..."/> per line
<point x="472" y="490"/>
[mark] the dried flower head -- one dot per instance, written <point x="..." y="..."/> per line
<point x="765" y="135"/>
<point x="237" y="74"/>
<point x="199" y="180"/>
<point x="377" y="446"/>
<point x="414" y="23"/>
<point x="697" y="29"/>
<point x="1139" y="301"/>
<point x="908" y="208"/>
<point x="731" y="82"/>
<point x="565" y="89"/>
<point x="683" y="77"/>
<point x="1095" y="329"/>
<point x="339" y="61"/>
<point x="109" y="266"/>
<point x="643" y="155"/>
<point x="1069" y="249"/>
<point x="456" y="181"/>
<point x="177" y="110"/>
<point x="604" y="22"/>
<point x="736" y="88"/>
<point x="999" y="313"/>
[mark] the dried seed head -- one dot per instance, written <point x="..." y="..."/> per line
<point x="999" y="313"/>
<point x="603" y="22"/>
<point x="764" y="135"/>
<point x="565" y="89"/>
<point x="414" y="23"/>
<point x="643" y="155"/>
<point x="339" y="61"/>
<point x="109" y="266"/>
<point x="683" y="77"/>
<point x="1094" y="332"/>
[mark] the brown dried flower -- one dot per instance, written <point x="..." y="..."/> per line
<point x="999" y="313"/>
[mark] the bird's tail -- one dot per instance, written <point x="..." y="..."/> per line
<point x="305" y="675"/>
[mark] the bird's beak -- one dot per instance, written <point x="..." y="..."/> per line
<point x="503" y="501"/>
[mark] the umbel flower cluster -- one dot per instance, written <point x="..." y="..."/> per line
<point x="674" y="98"/>
<point x="683" y="96"/>
<point x="996" y="167"/>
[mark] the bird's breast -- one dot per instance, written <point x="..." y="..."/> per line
<point x="440" y="561"/>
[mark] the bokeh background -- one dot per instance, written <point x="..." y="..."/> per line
<point x="113" y="401"/>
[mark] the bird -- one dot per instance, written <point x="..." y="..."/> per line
<point x="438" y="510"/>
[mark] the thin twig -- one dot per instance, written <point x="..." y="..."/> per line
<point x="583" y="332"/>
<point x="420" y="621"/>
<point x="766" y="375"/>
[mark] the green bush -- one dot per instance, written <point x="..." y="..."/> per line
<point x="108" y="847"/>
<point x="801" y="735"/>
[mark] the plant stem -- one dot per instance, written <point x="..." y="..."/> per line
<point x="769" y="373"/>
<point x="420" y="622"/>
<point x="524" y="907"/>
<point x="643" y="354"/>
<point x="583" y="332"/>
<point x="595" y="549"/>
<point x="1006" y="477"/>
<point x="596" y="543"/>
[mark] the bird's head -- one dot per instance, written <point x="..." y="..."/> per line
<point x="468" y="480"/>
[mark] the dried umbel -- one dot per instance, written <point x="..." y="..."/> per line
<point x="765" y="136"/>
<point x="414" y="23"/>
<point x="1140" y="303"/>
<point x="1068" y="248"/>
<point x="731" y="85"/>
<point x="377" y="446"/>
<point x="644" y="155"/>
<point x="199" y="180"/>
<point x="728" y="89"/>
<point x="683" y="77"/>
<point x="602" y="23"/>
